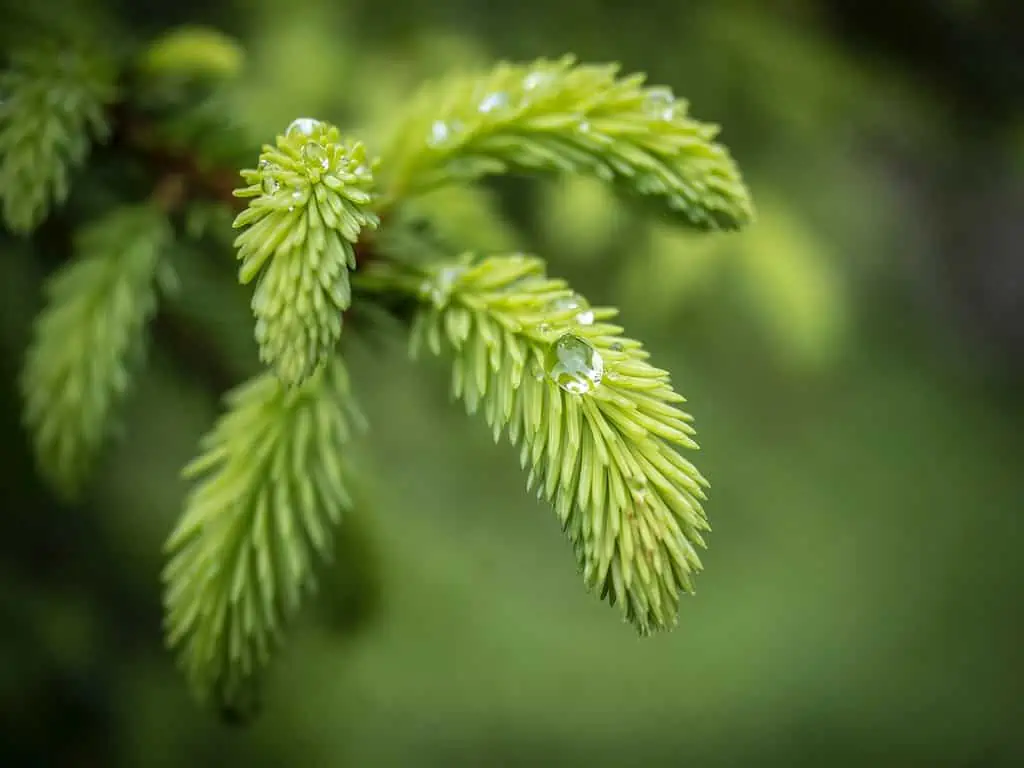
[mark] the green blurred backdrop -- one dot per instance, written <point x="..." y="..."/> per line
<point x="853" y="362"/>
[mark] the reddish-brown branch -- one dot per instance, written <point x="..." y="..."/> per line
<point x="136" y="134"/>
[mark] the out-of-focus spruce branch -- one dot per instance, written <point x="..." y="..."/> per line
<point x="322" y="230"/>
<point x="53" y="102"/>
<point x="89" y="338"/>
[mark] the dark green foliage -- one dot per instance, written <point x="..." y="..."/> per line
<point x="89" y="338"/>
<point x="52" y="100"/>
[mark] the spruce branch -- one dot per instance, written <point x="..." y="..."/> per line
<point x="190" y="53"/>
<point x="53" y="97"/>
<point x="179" y="105"/>
<point x="308" y="203"/>
<point x="573" y="118"/>
<point x="90" y="336"/>
<point x="597" y="425"/>
<point x="175" y="115"/>
<point x="270" y="486"/>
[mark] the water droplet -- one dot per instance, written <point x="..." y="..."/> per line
<point x="584" y="125"/>
<point x="660" y="103"/>
<point x="563" y="303"/>
<point x="440" y="288"/>
<point x="536" y="370"/>
<point x="314" y="155"/>
<point x="584" y="314"/>
<point x="544" y="328"/>
<point x="535" y="80"/>
<point x="616" y="347"/>
<point x="493" y="101"/>
<point x="442" y="132"/>
<point x="574" y="365"/>
<point x="303" y="126"/>
<point x="268" y="183"/>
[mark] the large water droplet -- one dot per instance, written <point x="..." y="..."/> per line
<point x="660" y="103"/>
<point x="584" y="314"/>
<point x="494" y="101"/>
<point x="314" y="155"/>
<point x="303" y="126"/>
<point x="574" y="365"/>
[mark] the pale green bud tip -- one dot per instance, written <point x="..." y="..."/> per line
<point x="193" y="51"/>
<point x="311" y="152"/>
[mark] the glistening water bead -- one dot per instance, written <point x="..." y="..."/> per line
<point x="660" y="103"/>
<point x="494" y="101"/>
<point x="584" y="314"/>
<point x="314" y="156"/>
<point x="536" y="80"/>
<point x="439" y="289"/>
<point x="303" y="126"/>
<point x="268" y="183"/>
<point x="441" y="132"/>
<point x="574" y="365"/>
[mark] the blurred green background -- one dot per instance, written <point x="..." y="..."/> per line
<point x="854" y="362"/>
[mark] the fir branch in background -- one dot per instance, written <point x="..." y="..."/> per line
<point x="598" y="426"/>
<point x="177" y="94"/>
<point x="89" y="337"/>
<point x="176" y="117"/>
<point x="271" y="484"/>
<point x="309" y="201"/>
<point x="560" y="116"/>
<point x="53" y="98"/>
